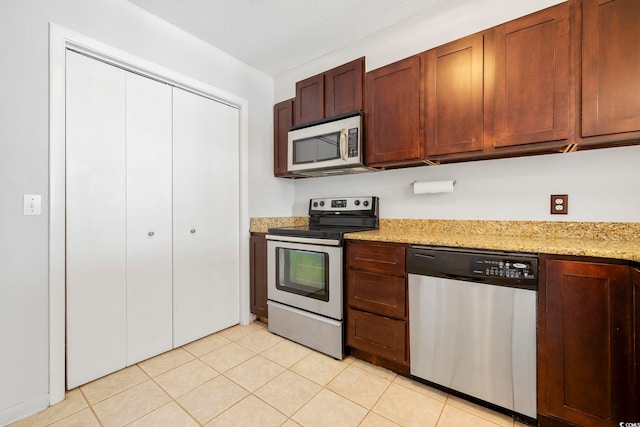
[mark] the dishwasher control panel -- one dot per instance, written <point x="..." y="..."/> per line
<point x="508" y="268"/>
<point x="513" y="269"/>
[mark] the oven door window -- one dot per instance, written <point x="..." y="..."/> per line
<point x="316" y="149"/>
<point x="304" y="273"/>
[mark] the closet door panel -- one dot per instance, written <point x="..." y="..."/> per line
<point x="149" y="226"/>
<point x="96" y="222"/>
<point x="226" y="216"/>
<point x="205" y="221"/>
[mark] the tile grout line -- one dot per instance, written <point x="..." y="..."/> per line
<point x="369" y="411"/>
<point x="444" y="405"/>
<point x="90" y="406"/>
<point x="173" y="399"/>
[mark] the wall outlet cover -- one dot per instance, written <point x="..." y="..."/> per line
<point x="559" y="204"/>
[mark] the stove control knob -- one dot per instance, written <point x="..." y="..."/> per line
<point x="322" y="203"/>
<point x="365" y="203"/>
<point x="357" y="202"/>
<point x="315" y="204"/>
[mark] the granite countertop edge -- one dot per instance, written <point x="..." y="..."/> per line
<point x="613" y="240"/>
<point x="624" y="250"/>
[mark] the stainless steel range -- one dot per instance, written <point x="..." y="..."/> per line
<point x="305" y="272"/>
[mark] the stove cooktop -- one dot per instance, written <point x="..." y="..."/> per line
<point x="331" y="218"/>
<point x="320" y="232"/>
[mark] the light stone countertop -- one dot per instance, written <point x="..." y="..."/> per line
<point x="597" y="239"/>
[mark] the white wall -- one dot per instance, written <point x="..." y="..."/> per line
<point x="24" y="114"/>
<point x="454" y="20"/>
<point x="602" y="184"/>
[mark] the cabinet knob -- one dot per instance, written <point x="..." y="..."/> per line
<point x="151" y="233"/>
<point x="193" y="230"/>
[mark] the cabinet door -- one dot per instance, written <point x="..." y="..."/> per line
<point x="377" y="335"/>
<point x="377" y="293"/>
<point x="343" y="87"/>
<point x="309" y="105"/>
<point x="385" y="258"/>
<point x="587" y="344"/>
<point x="95" y="219"/>
<point x="393" y="118"/>
<point x="258" y="275"/>
<point x="532" y="78"/>
<point x="282" y="121"/>
<point x="205" y="216"/>
<point x="610" y="64"/>
<point x="149" y="205"/>
<point x="454" y="97"/>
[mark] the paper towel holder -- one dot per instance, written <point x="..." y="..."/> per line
<point x="413" y="183"/>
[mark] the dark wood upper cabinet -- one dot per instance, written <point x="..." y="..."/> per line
<point x="334" y="92"/>
<point x="563" y="78"/>
<point x="344" y="87"/>
<point x="309" y="104"/>
<point x="454" y="97"/>
<point x="282" y="121"/>
<point x="532" y="79"/>
<point x="611" y="69"/>
<point x="393" y="114"/>
<point x="585" y="359"/>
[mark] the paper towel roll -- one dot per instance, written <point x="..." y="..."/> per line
<point x="433" y="187"/>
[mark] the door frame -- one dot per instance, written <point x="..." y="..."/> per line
<point x="61" y="39"/>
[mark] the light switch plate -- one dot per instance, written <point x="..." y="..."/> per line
<point x="32" y="204"/>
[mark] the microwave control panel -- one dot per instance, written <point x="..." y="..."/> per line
<point x="352" y="142"/>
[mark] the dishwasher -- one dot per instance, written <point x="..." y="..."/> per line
<point x="472" y="324"/>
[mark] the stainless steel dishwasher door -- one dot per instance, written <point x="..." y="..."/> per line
<point x="475" y="338"/>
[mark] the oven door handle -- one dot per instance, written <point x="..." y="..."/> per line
<point x="310" y="241"/>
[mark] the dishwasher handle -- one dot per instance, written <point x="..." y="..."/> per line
<point x="421" y="255"/>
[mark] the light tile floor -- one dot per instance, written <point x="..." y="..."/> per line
<point x="246" y="376"/>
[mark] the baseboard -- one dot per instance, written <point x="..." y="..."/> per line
<point x="24" y="409"/>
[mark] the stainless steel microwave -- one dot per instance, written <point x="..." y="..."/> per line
<point x="330" y="147"/>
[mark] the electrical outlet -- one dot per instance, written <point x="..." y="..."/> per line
<point x="559" y="204"/>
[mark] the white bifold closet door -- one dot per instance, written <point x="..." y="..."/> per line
<point x="119" y="219"/>
<point x="96" y="219"/>
<point x="205" y="216"/>
<point x="149" y="218"/>
<point x="152" y="208"/>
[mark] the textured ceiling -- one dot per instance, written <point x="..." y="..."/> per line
<point x="277" y="35"/>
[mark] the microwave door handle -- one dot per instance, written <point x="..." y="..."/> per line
<point x="343" y="144"/>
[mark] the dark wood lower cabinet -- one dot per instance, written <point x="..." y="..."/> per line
<point x="585" y="343"/>
<point x="377" y="327"/>
<point x="258" y="274"/>
<point x="635" y="278"/>
<point x="378" y="293"/>
<point x="379" y="335"/>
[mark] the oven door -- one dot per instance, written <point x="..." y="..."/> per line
<point x="306" y="274"/>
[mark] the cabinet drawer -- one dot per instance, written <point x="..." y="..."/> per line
<point x="376" y="257"/>
<point x="377" y="293"/>
<point x="377" y="335"/>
